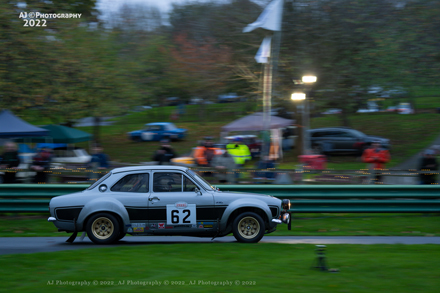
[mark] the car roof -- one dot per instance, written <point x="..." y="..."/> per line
<point x="241" y="136"/>
<point x="159" y="123"/>
<point x="331" y="128"/>
<point x="153" y="167"/>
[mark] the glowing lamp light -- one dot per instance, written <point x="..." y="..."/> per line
<point x="298" y="96"/>
<point x="309" y="79"/>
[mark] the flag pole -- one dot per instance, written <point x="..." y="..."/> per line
<point x="267" y="104"/>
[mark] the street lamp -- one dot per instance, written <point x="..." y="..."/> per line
<point x="298" y="96"/>
<point x="308" y="80"/>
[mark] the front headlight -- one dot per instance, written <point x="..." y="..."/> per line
<point x="285" y="204"/>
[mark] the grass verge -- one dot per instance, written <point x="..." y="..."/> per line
<point x="225" y="267"/>
<point x="325" y="224"/>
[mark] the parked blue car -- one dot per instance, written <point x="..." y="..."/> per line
<point x="158" y="131"/>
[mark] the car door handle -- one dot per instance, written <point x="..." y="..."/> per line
<point x="153" y="198"/>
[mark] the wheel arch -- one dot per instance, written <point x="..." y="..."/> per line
<point x="108" y="205"/>
<point x="240" y="206"/>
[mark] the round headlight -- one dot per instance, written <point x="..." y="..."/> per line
<point x="285" y="204"/>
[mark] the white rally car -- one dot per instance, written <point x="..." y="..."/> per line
<point x="165" y="200"/>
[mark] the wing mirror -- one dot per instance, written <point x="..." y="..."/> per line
<point x="197" y="191"/>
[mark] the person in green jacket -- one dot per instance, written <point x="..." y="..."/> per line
<point x="239" y="151"/>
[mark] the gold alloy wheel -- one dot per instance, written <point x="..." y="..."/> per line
<point x="248" y="227"/>
<point x="102" y="228"/>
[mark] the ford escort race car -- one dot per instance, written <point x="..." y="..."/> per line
<point x="164" y="200"/>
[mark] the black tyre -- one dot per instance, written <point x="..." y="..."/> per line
<point x="103" y="228"/>
<point x="248" y="228"/>
<point x="121" y="235"/>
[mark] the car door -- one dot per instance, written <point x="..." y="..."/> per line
<point x="347" y="141"/>
<point x="133" y="190"/>
<point x="148" y="134"/>
<point x="335" y="137"/>
<point x="175" y="206"/>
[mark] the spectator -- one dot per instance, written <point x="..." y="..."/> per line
<point x="9" y="160"/>
<point x="224" y="166"/>
<point x="164" y="154"/>
<point x="428" y="167"/>
<point x="377" y="157"/>
<point x="240" y="152"/>
<point x="264" y="164"/>
<point x="99" y="158"/>
<point x="41" y="164"/>
<point x="205" y="152"/>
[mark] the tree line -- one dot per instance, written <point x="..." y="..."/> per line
<point x="98" y="66"/>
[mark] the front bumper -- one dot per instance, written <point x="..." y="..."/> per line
<point x="284" y="218"/>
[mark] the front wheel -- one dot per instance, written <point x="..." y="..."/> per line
<point x="248" y="228"/>
<point x="103" y="228"/>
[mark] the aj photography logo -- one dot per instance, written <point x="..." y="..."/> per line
<point x="38" y="19"/>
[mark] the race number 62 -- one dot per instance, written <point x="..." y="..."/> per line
<point x="181" y="216"/>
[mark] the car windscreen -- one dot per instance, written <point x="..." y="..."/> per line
<point x="357" y="133"/>
<point x="99" y="181"/>
<point x="202" y="181"/>
<point x="170" y="127"/>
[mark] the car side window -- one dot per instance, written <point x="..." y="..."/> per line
<point x="167" y="182"/>
<point x="188" y="185"/>
<point x="335" y="134"/>
<point x="346" y="134"/>
<point x="133" y="183"/>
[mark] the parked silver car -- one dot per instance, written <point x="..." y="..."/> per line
<point x="164" y="200"/>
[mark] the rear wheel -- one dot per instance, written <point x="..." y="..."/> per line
<point x="248" y="228"/>
<point x="103" y="228"/>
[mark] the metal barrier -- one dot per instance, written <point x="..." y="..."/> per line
<point x="20" y="198"/>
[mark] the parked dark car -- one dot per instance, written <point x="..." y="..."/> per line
<point x="341" y="139"/>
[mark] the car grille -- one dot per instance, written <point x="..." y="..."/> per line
<point x="274" y="211"/>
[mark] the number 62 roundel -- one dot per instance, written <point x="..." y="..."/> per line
<point x="181" y="213"/>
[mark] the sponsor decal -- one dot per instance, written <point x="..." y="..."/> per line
<point x="207" y="226"/>
<point x="205" y="223"/>
<point x="161" y="225"/>
<point x="181" y="205"/>
<point x="153" y="226"/>
<point x="200" y="226"/>
<point x="129" y="230"/>
<point x="138" y="225"/>
<point x="169" y="227"/>
<point x="193" y="226"/>
<point x="138" y="229"/>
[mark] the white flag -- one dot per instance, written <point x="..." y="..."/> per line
<point x="269" y="19"/>
<point x="264" y="51"/>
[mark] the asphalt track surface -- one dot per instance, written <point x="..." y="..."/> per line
<point x="12" y="245"/>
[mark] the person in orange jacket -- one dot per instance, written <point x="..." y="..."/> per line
<point x="378" y="157"/>
<point x="204" y="153"/>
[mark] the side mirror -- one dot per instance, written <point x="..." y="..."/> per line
<point x="197" y="191"/>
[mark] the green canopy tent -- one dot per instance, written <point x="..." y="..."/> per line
<point x="61" y="134"/>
